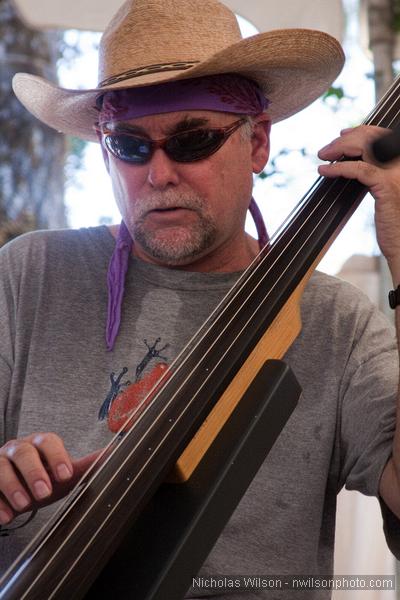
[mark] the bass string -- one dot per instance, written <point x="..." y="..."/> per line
<point x="257" y="265"/>
<point x="87" y="480"/>
<point x="213" y="343"/>
<point x="385" y="103"/>
<point x="116" y="505"/>
<point x="375" y="117"/>
<point x="385" y="100"/>
<point x="129" y="457"/>
<point x="58" y="520"/>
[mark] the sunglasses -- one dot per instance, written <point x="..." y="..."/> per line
<point x="187" y="146"/>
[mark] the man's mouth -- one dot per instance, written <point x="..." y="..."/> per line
<point x="164" y="210"/>
<point x="169" y="209"/>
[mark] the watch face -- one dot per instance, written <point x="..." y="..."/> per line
<point x="394" y="297"/>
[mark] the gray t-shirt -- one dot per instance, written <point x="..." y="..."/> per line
<point x="55" y="375"/>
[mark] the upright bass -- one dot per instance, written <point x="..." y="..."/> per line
<point x="257" y="321"/>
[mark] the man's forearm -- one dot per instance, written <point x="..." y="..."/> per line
<point x="389" y="487"/>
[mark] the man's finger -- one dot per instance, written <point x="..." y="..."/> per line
<point x="52" y="450"/>
<point x="12" y="489"/>
<point x="365" y="173"/>
<point x="23" y="458"/>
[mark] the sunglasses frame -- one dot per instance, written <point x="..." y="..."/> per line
<point x="226" y="132"/>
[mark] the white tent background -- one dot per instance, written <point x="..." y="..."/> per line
<point x="93" y="15"/>
<point x="360" y="546"/>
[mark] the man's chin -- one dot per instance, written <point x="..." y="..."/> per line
<point x="173" y="259"/>
<point x="174" y="251"/>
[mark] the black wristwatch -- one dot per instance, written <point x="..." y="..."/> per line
<point x="394" y="297"/>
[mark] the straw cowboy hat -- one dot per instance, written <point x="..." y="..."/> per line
<point x="154" y="41"/>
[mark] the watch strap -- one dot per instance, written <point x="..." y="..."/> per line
<point x="394" y="297"/>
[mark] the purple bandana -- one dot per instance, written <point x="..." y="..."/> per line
<point x="119" y="265"/>
<point x="116" y="283"/>
<point x="223" y="93"/>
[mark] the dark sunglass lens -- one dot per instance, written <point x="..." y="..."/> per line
<point x="194" y="145"/>
<point x="129" y="148"/>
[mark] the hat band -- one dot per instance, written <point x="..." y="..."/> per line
<point x="148" y="70"/>
<point x="224" y="93"/>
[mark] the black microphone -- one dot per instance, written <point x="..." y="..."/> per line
<point x="387" y="147"/>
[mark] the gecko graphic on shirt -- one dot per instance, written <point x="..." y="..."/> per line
<point x="126" y="398"/>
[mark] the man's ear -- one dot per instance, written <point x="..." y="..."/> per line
<point x="103" y="151"/>
<point x="260" y="142"/>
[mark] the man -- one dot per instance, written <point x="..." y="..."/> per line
<point x="182" y="113"/>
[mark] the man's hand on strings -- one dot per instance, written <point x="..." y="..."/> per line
<point x="35" y="471"/>
<point x="383" y="181"/>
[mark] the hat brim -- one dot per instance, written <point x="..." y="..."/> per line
<point x="293" y="67"/>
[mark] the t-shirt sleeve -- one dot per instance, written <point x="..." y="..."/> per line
<point x="368" y="404"/>
<point x="18" y="261"/>
<point x="368" y="411"/>
<point x="7" y="331"/>
<point x="391" y="528"/>
<point x="5" y="380"/>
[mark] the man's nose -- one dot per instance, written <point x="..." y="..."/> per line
<point x="163" y="171"/>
